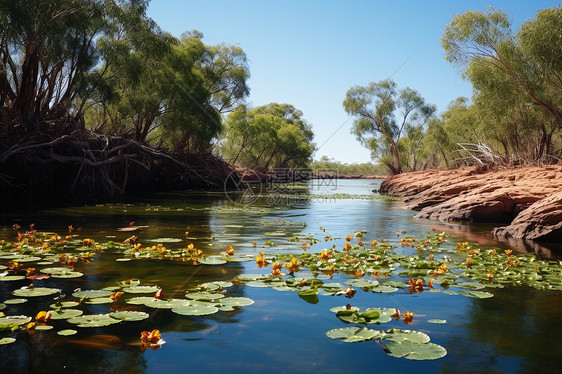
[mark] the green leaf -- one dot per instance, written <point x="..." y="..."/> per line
<point x="35" y="291"/>
<point x="398" y="335"/>
<point x="43" y="327"/>
<point x="166" y="304"/>
<point x="141" y="289"/>
<point x="15" y="301"/>
<point x="195" y="310"/>
<point x="476" y="294"/>
<point x="236" y="301"/>
<point x="93" y="320"/>
<point x="415" y="351"/>
<point x="437" y="321"/>
<point x="67" y="332"/>
<point x="128" y="315"/>
<point x="4" y="341"/>
<point x="66" y="313"/>
<point x="204" y="296"/>
<point x="91" y="294"/>
<point x="18" y="320"/>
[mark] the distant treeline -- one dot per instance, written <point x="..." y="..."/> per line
<point x="332" y="167"/>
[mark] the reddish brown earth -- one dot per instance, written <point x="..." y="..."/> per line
<point x="527" y="199"/>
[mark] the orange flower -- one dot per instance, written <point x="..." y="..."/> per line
<point x="346" y="247"/>
<point x="88" y="242"/>
<point x="276" y="269"/>
<point x="360" y="242"/>
<point x="358" y="274"/>
<point x="430" y="283"/>
<point x="43" y="316"/>
<point x="349" y="292"/>
<point x="229" y="250"/>
<point x="431" y="256"/>
<point x="261" y="261"/>
<point x="348" y="238"/>
<point x="396" y="314"/>
<point x="329" y="271"/>
<point x="326" y="254"/>
<point x="116" y="295"/>
<point x="152" y="337"/>
<point x="508" y="252"/>
<point x="374" y="243"/>
<point x="408" y="318"/>
<point x="254" y="244"/>
<point x="292" y="266"/>
<point x="159" y="294"/>
<point x="416" y="285"/>
<point x="469" y="261"/>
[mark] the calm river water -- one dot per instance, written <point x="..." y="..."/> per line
<point x="517" y="331"/>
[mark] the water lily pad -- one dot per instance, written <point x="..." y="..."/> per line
<point x="437" y="321"/>
<point x="240" y="258"/>
<point x="141" y="289"/>
<point x="93" y="320"/>
<point x="236" y="301"/>
<point x="204" y="296"/>
<point x="476" y="294"/>
<point x="9" y="278"/>
<point x="7" y="341"/>
<point x="67" y="332"/>
<point x="415" y="351"/>
<point x="68" y="274"/>
<point x="252" y="277"/>
<point x="15" y="301"/>
<point x="195" y="310"/>
<point x="57" y="269"/>
<point x="43" y="327"/>
<point x="17" y="320"/>
<point x="29" y="259"/>
<point x="35" y="291"/>
<point x="165" y="240"/>
<point x="411" y="336"/>
<point x="384" y="289"/>
<point x="99" y="300"/>
<point x="123" y="259"/>
<point x="66" y="313"/>
<point x="129" y="315"/>
<point x="362" y="283"/>
<point x="91" y="294"/>
<point x="2" y="306"/>
<point x="142" y="300"/>
<point x="212" y="260"/>
<point x="343" y="310"/>
<point x="166" y="304"/>
<point x="354" y="334"/>
<point x="65" y="304"/>
<point x="130" y="283"/>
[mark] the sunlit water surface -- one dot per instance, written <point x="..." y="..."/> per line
<point x="517" y="331"/>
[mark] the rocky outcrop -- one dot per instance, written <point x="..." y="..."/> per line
<point x="481" y="195"/>
<point x="541" y="221"/>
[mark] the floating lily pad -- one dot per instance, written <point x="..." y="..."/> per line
<point x="29" y="259"/>
<point x="166" y="304"/>
<point x="343" y="310"/>
<point x="43" y="327"/>
<point x="165" y="240"/>
<point x="68" y="274"/>
<point x="212" y="260"/>
<point x="236" y="301"/>
<point x="93" y="320"/>
<point x="65" y="304"/>
<point x="362" y="283"/>
<point x="252" y="277"/>
<point x="437" y="321"/>
<point x="130" y="283"/>
<point x="411" y="336"/>
<point x="35" y="291"/>
<point x="17" y="320"/>
<point x="124" y="259"/>
<point x="9" y="278"/>
<point x="67" y="332"/>
<point x="384" y="289"/>
<point x="91" y="294"/>
<point x="66" y="313"/>
<point x="204" y="296"/>
<point x="476" y="294"/>
<point x="142" y="300"/>
<point x="2" y="306"/>
<point x="129" y="315"/>
<point x="141" y="289"/>
<point x="15" y="301"/>
<point x="195" y="310"/>
<point x="99" y="300"/>
<point x="239" y="258"/>
<point x="415" y="351"/>
<point x="354" y="334"/>
<point x="4" y="341"/>
<point x="57" y="269"/>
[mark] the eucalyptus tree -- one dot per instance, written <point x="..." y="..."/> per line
<point x="383" y="115"/>
<point x="517" y="76"/>
<point x="270" y="136"/>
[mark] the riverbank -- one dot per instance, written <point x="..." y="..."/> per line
<point x="525" y="202"/>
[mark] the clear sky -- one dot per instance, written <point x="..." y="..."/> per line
<point x="308" y="53"/>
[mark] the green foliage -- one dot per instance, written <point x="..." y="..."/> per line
<point x="384" y="115"/>
<point x="517" y="99"/>
<point x="269" y="136"/>
<point x="330" y="166"/>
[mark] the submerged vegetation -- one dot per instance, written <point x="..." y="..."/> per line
<point x="428" y="264"/>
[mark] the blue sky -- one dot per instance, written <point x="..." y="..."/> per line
<point x="308" y="53"/>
